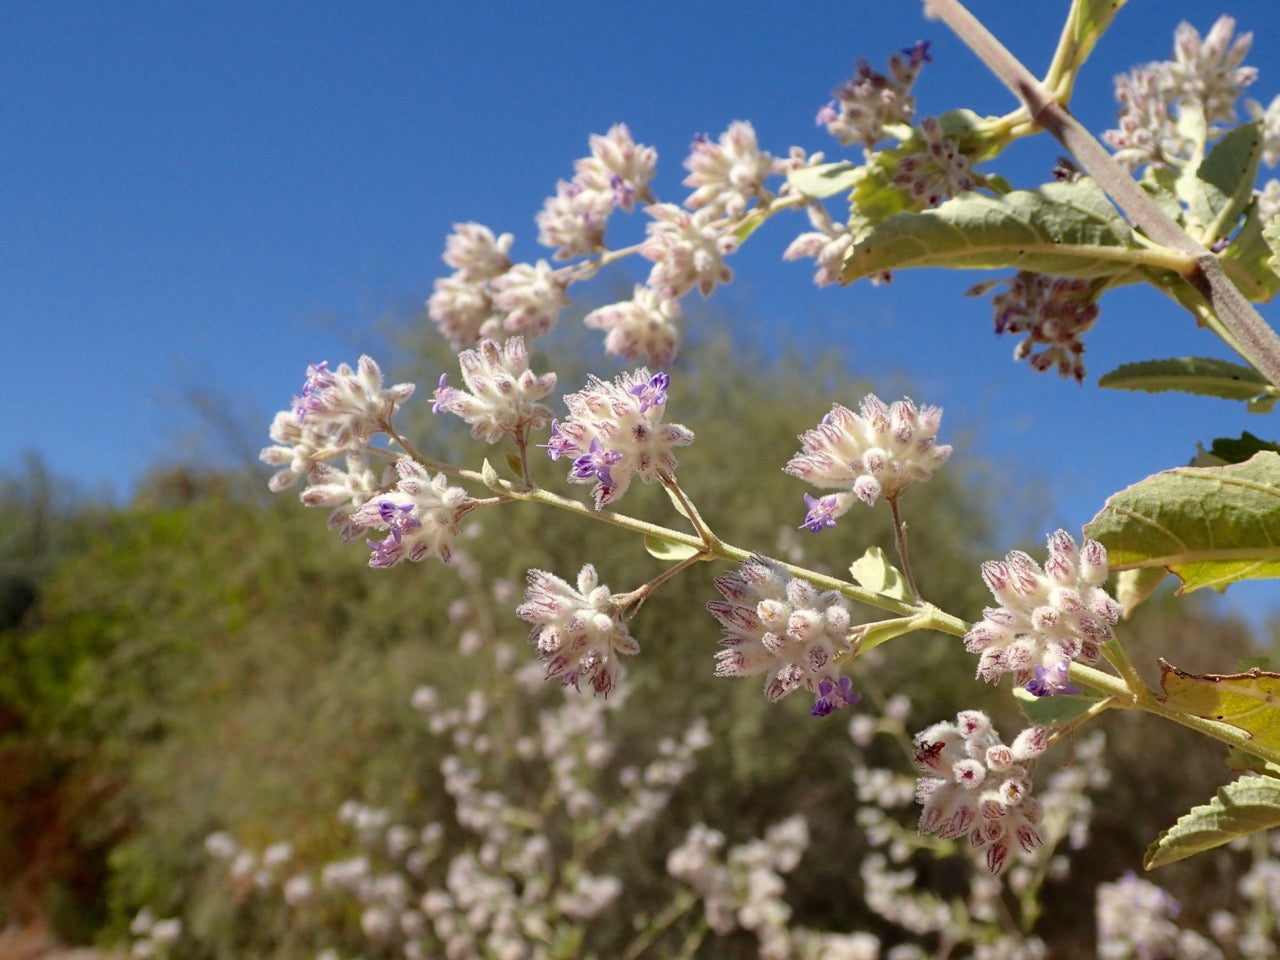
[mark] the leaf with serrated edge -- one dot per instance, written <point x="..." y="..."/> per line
<point x="1053" y="711"/>
<point x="874" y="571"/>
<point x="1211" y="526"/>
<point x="1217" y="191"/>
<point x="1241" y="808"/>
<point x="824" y="180"/>
<point x="1248" y="701"/>
<point x="668" y="551"/>
<point x="1069" y="229"/>
<point x="1205" y="376"/>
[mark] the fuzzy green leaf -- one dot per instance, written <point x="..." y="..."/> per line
<point x="490" y="476"/>
<point x="1238" y="450"/>
<point x="667" y="551"/>
<point x="1217" y="192"/>
<point x="1089" y="20"/>
<point x="1249" y="701"/>
<point x="874" y="572"/>
<point x="1053" y="711"/>
<point x="1241" y="808"/>
<point x="1205" y="376"/>
<point x="1247" y="261"/>
<point x="1069" y="229"/>
<point x="1211" y="526"/>
<point x="824" y="180"/>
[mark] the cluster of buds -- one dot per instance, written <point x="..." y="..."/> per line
<point x="1051" y="313"/>
<point x="937" y="172"/>
<point x="579" y="632"/>
<point x="687" y="250"/>
<point x="422" y="515"/>
<point x="786" y="628"/>
<point x="615" y="433"/>
<point x="1046" y="618"/>
<point x="870" y="100"/>
<point x="617" y="173"/>
<point x="975" y="786"/>
<point x="502" y="393"/>
<point x="645" y="324"/>
<point x="876" y="453"/>
<point x="727" y="175"/>
<point x="828" y="243"/>
<point x="1204" y="80"/>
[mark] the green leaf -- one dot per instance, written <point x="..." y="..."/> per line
<point x="514" y="465"/>
<point x="1088" y="21"/>
<point x="1241" y="808"/>
<point x="1247" y="261"/>
<point x="874" y="572"/>
<point x="1241" y="449"/>
<point x="1053" y="711"/>
<point x="1243" y="762"/>
<point x="1211" y="526"/>
<point x="1134" y="586"/>
<point x="824" y="180"/>
<point x="872" y="635"/>
<point x="489" y="475"/>
<point x="1205" y="376"/>
<point x="1069" y="229"/>
<point x="676" y="502"/>
<point x="1217" y="192"/>
<point x="667" y="551"/>
<point x="1271" y="235"/>
<point x="1249" y="701"/>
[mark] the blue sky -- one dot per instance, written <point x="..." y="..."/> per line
<point x="210" y="196"/>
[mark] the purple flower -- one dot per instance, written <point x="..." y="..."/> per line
<point x="653" y="393"/>
<point x="821" y="512"/>
<point x="595" y="463"/>
<point x="1049" y="681"/>
<point x="833" y="696"/>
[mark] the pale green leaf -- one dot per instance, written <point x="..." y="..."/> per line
<point x="667" y="551"/>
<point x="1205" y="376"/>
<point x="1217" y="192"/>
<point x="676" y="502"/>
<point x="872" y="635"/>
<point x="824" y="180"/>
<point x="1271" y="234"/>
<point x="1247" y="261"/>
<point x="1211" y="526"/>
<point x="514" y="465"/>
<point x="1135" y="586"/>
<point x="1053" y="711"/>
<point x="1089" y="20"/>
<point x="489" y="475"/>
<point x="1241" y="808"/>
<point x="874" y="572"/>
<point x="1069" y="229"/>
<point x="1249" y="701"/>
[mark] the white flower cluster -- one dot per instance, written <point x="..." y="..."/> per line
<point x="975" y="786"/>
<point x="579" y="633"/>
<point x="870" y="100"/>
<point x="489" y="297"/>
<point x="939" y="171"/>
<point x="615" y="433"/>
<point x="153" y="938"/>
<point x="338" y="412"/>
<point x="1200" y="85"/>
<point x="827" y="243"/>
<point x="785" y="628"/>
<point x="687" y="250"/>
<point x="422" y="515"/>
<point x="1046" y="618"/>
<point x="645" y="324"/>
<point x="875" y="453"/>
<point x="729" y="174"/>
<point x="502" y="393"/>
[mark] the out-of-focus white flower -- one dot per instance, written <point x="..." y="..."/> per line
<point x="687" y="251"/>
<point x="727" y="174"/>
<point x="645" y="324"/>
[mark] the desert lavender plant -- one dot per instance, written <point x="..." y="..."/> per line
<point x="920" y="195"/>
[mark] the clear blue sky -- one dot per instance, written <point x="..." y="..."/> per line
<point x="211" y="195"/>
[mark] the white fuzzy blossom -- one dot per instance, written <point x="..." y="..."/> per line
<point x="574" y="220"/>
<point x="645" y="324"/>
<point x="529" y="298"/>
<point x="475" y="253"/>
<point x="786" y="628"/>
<point x="870" y="100"/>
<point x="1201" y="85"/>
<point x="617" y="165"/>
<point x="727" y="174"/>
<point x="502" y="393"/>
<point x="421" y="514"/>
<point x="828" y="243"/>
<point x="614" y="433"/>
<point x="877" y="452"/>
<point x="579" y="631"/>
<point x="338" y="412"/>
<point x="1270" y="117"/>
<point x="1045" y="618"/>
<point x="687" y="250"/>
<point x="975" y="786"/>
